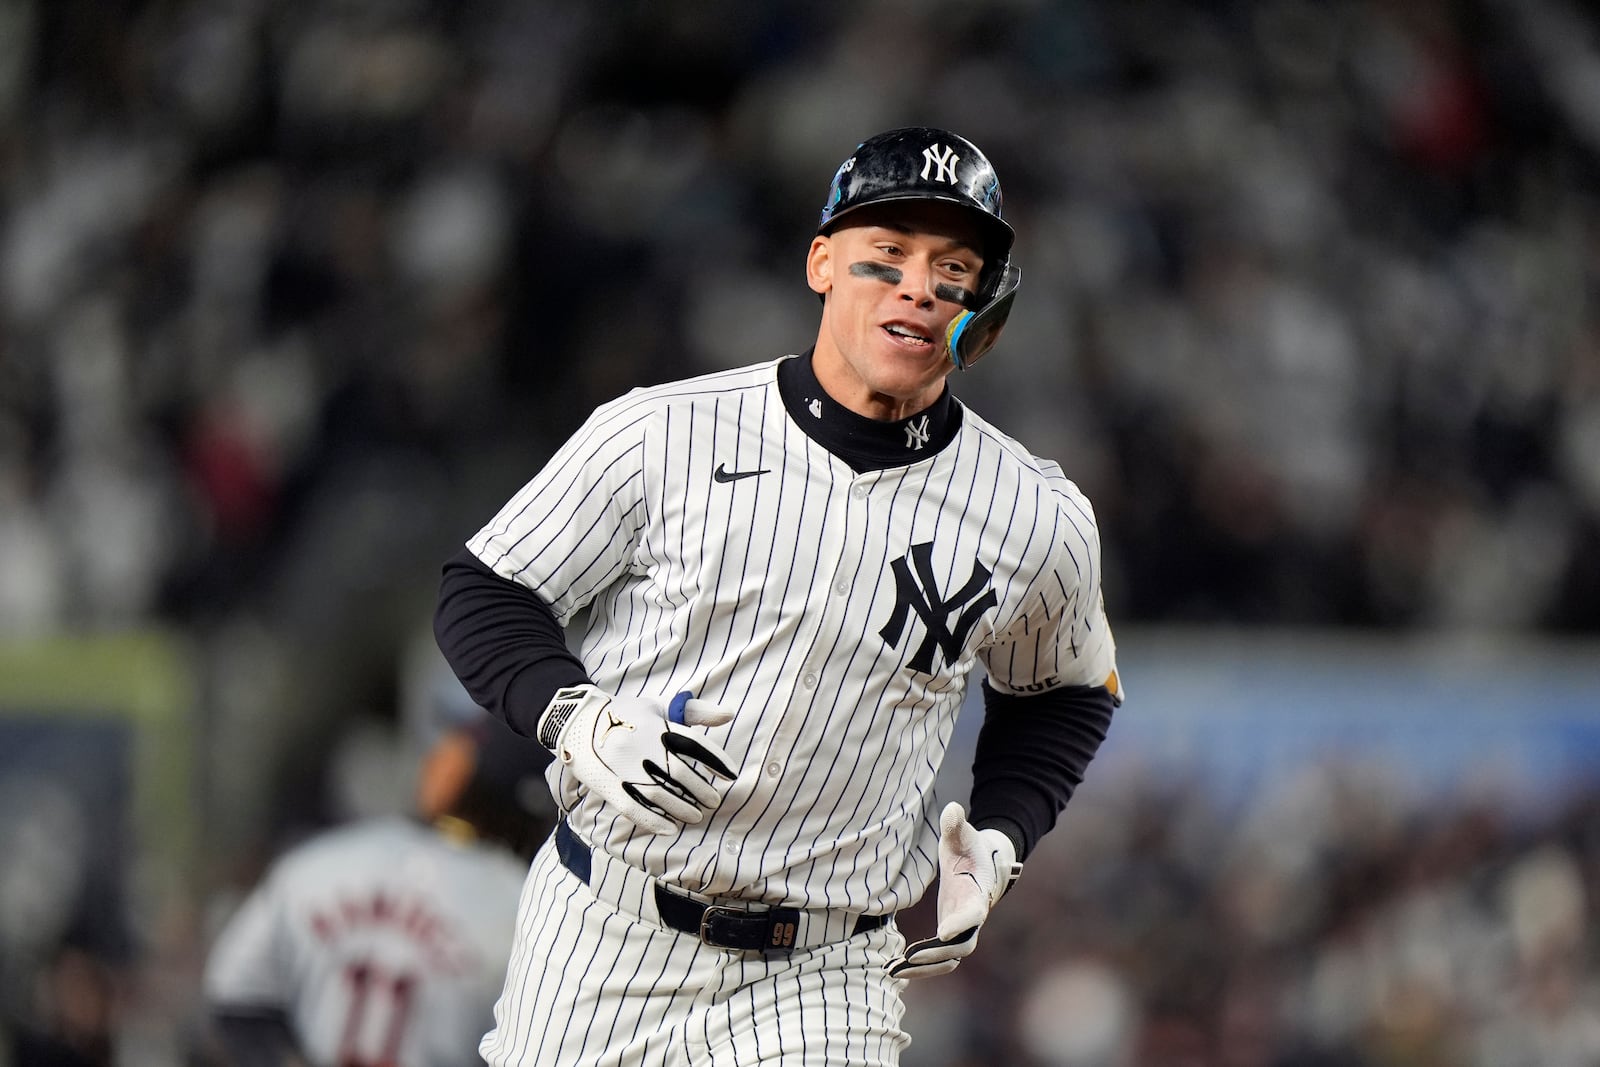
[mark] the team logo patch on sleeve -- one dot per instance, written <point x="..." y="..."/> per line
<point x="917" y="590"/>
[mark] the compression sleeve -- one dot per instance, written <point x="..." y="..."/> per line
<point x="503" y="642"/>
<point x="1031" y="755"/>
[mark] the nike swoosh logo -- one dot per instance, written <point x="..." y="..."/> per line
<point x="722" y="474"/>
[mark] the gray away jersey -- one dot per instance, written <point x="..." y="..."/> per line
<point x="384" y="942"/>
<point x="722" y="551"/>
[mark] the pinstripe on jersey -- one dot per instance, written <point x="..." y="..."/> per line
<point x="805" y="596"/>
<point x="687" y="1003"/>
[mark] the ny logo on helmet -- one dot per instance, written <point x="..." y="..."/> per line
<point x="942" y="161"/>
<point x="971" y="600"/>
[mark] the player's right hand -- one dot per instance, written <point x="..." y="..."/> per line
<point x="637" y="755"/>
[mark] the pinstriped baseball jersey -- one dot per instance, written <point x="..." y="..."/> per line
<point x="721" y="550"/>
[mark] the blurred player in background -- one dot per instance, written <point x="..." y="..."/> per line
<point x="384" y="943"/>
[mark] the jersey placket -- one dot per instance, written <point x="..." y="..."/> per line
<point x="847" y="514"/>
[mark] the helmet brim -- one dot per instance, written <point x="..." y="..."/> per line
<point x="998" y="234"/>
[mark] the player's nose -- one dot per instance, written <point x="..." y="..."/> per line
<point x="917" y="282"/>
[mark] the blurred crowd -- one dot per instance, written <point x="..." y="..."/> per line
<point x="289" y="287"/>
<point x="1327" y="923"/>
<point x="293" y="294"/>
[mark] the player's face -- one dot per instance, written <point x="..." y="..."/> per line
<point x="894" y="276"/>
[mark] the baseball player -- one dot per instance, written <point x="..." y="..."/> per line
<point x="383" y="943"/>
<point x="790" y="572"/>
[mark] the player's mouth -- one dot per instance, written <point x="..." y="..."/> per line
<point x="909" y="335"/>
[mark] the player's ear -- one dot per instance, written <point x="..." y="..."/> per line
<point x="819" y="265"/>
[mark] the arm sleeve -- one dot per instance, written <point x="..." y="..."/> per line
<point x="574" y="529"/>
<point x="250" y="969"/>
<point x="1062" y="638"/>
<point x="1031" y="755"/>
<point x="503" y="642"/>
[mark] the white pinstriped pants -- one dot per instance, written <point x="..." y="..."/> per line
<point x="594" y="980"/>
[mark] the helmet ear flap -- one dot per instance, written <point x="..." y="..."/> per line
<point x="972" y="333"/>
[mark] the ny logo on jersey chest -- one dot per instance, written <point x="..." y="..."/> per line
<point x="917" y="590"/>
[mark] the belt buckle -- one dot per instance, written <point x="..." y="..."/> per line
<point x="705" y="921"/>
<point x="778" y="928"/>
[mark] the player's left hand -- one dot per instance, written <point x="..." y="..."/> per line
<point x="976" y="867"/>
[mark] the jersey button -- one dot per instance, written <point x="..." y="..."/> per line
<point x="809" y="681"/>
<point x="774" y="769"/>
<point x="859" y="492"/>
<point x="841" y="587"/>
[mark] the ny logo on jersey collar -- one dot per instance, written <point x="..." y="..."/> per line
<point x="917" y="433"/>
<point x="919" y="592"/>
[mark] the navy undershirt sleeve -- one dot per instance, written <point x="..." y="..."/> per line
<point x="503" y="642"/>
<point x="1031" y="755"/>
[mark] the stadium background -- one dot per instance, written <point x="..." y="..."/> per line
<point x="293" y="294"/>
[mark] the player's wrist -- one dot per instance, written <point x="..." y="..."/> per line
<point x="564" y="708"/>
<point x="1010" y="827"/>
<point x="1007" y="869"/>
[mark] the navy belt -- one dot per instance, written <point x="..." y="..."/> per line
<point x="718" y="925"/>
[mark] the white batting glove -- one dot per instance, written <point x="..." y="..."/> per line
<point x="976" y="867"/>
<point x="634" y="753"/>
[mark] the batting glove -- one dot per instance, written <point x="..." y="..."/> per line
<point x="633" y="752"/>
<point x="976" y="867"/>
